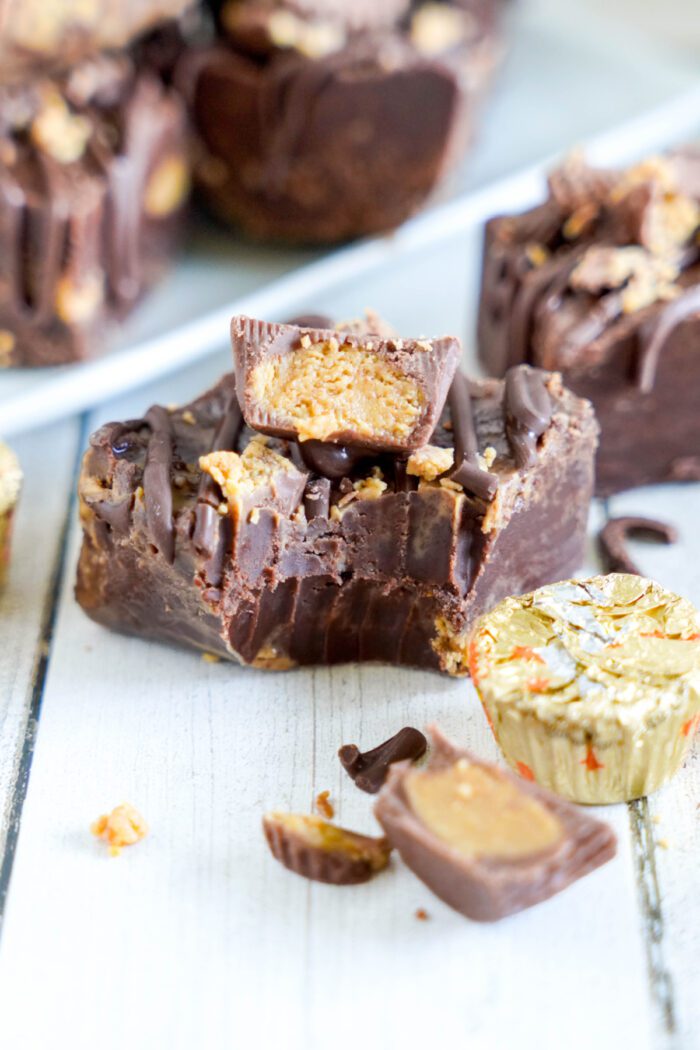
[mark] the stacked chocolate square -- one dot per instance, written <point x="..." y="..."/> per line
<point x="323" y="120"/>
<point x="93" y="172"/>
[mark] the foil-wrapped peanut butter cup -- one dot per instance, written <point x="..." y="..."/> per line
<point x="591" y="687"/>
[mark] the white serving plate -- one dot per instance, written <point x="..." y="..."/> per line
<point x="611" y="84"/>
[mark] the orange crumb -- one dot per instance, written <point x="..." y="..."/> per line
<point x="124" y="826"/>
<point x="525" y="771"/>
<point x="422" y="914"/>
<point x="653" y="634"/>
<point x="525" y="652"/>
<point x="324" y="806"/>
<point x="538" y="685"/>
<point x="591" y="762"/>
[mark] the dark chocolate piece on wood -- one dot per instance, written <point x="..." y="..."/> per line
<point x="528" y="411"/>
<point x="318" y="850"/>
<point x="487" y="842"/>
<point x="613" y="540"/>
<point x="369" y="768"/>
<point x="465" y="470"/>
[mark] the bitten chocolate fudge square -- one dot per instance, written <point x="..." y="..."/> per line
<point x="602" y="283"/>
<point x="202" y="531"/>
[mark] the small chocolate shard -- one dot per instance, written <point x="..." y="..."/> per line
<point x="352" y="388"/>
<point x="369" y="769"/>
<point x="323" y="852"/>
<point x="613" y="540"/>
<point x="484" y="840"/>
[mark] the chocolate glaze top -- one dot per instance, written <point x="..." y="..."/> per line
<point x="160" y="456"/>
<point x="556" y="318"/>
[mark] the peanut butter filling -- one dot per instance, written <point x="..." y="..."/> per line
<point x="240" y="476"/>
<point x="325" y="389"/>
<point x="479" y="813"/>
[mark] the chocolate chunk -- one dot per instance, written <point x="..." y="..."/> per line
<point x="487" y="842"/>
<point x="93" y="180"/>
<point x="528" y="412"/>
<point x="602" y="284"/>
<point x="199" y="531"/>
<point x="323" y="122"/>
<point x="369" y="769"/>
<point x="312" y="847"/>
<point x="613" y="536"/>
<point x="338" y="387"/>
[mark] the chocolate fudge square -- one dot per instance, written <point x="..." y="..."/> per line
<point x="602" y="283"/>
<point x="200" y="531"/>
<point x="321" y="122"/>
<point x="93" y="179"/>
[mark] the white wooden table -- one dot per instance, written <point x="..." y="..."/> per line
<point x="197" y="937"/>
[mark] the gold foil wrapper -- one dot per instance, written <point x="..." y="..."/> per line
<point x="592" y="687"/>
<point x="10" y="485"/>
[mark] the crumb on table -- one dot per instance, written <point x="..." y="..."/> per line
<point x="124" y="826"/>
<point x="324" y="805"/>
<point x="422" y="914"/>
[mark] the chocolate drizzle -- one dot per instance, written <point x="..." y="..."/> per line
<point x="207" y="520"/>
<point x="528" y="412"/>
<point x="466" y="470"/>
<point x="157" y="491"/>
<point x="328" y="460"/>
<point x="612" y="540"/>
<point x="317" y="498"/>
<point x="673" y="314"/>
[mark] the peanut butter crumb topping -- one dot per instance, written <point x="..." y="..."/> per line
<point x="124" y="826"/>
<point x="612" y="647"/>
<point x="481" y="813"/>
<point x="643" y="277"/>
<point x="323" y="390"/>
<point x="240" y="476"/>
<point x="167" y="187"/>
<point x="429" y="462"/>
<point x="438" y="27"/>
<point x="57" y="131"/>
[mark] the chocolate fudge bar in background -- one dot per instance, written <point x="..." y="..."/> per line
<point x="197" y="530"/>
<point x="485" y="841"/>
<point x="93" y="178"/>
<point x="602" y="283"/>
<point x="344" y="387"/>
<point x="42" y="36"/>
<point x="324" y="121"/>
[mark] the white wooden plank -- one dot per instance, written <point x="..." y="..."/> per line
<point x="199" y="935"/>
<point x="48" y="461"/>
<point x="670" y="821"/>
